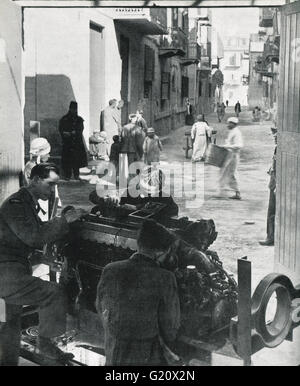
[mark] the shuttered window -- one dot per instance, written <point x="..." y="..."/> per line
<point x="149" y="64"/>
<point x="165" y="86"/>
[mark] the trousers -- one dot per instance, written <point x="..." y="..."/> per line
<point x="271" y="216"/>
<point x="18" y="287"/>
<point x="228" y="173"/>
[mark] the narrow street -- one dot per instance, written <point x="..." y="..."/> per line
<point x="235" y="238"/>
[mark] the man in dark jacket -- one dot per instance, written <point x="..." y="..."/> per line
<point x="272" y="199"/>
<point x="22" y="232"/>
<point x="138" y="303"/>
<point x="74" y="154"/>
<point x="132" y="139"/>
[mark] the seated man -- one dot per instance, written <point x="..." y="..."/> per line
<point x="143" y="308"/>
<point x="21" y="232"/>
<point x="148" y="190"/>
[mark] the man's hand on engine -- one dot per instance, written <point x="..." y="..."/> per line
<point x="73" y="214"/>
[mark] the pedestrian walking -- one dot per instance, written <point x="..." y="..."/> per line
<point x="141" y="314"/>
<point x="21" y="232"/>
<point x="272" y="199"/>
<point x="227" y="103"/>
<point x="74" y="154"/>
<point x="200" y="135"/>
<point x="40" y="153"/>
<point x="228" y="173"/>
<point x="237" y="109"/>
<point x="189" y="118"/>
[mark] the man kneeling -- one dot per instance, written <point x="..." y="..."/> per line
<point x="21" y="232"/>
<point x="138" y="303"/>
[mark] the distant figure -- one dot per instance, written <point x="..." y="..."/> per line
<point x="109" y="121"/>
<point x="237" y="109"/>
<point x="141" y="120"/>
<point x="220" y="111"/>
<point x="114" y="153"/>
<point x="272" y="199"/>
<point x="189" y="118"/>
<point x="117" y="112"/>
<point x="74" y="155"/>
<point x="152" y="147"/>
<point x="227" y="103"/>
<point x="228" y="173"/>
<point x="200" y="135"/>
<point x="40" y="153"/>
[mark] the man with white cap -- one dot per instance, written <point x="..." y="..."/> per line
<point x="40" y="153"/>
<point x="228" y="173"/>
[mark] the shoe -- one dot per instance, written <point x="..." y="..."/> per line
<point x="267" y="243"/>
<point x="47" y="348"/>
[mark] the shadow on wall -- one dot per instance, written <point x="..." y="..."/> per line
<point x="47" y="99"/>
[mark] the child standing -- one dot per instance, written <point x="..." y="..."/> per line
<point x="114" y="152"/>
<point x="152" y="147"/>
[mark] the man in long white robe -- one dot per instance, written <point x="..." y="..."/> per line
<point x="228" y="173"/>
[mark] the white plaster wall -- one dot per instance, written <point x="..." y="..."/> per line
<point x="57" y="43"/>
<point x="11" y="98"/>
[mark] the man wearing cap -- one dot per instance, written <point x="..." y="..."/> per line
<point x="228" y="173"/>
<point x="138" y="303"/>
<point x="39" y="153"/>
<point x="21" y="233"/>
<point x="131" y="149"/>
<point x="74" y="155"/>
<point x="152" y="147"/>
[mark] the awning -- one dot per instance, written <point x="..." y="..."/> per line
<point x="169" y="52"/>
<point x="188" y="62"/>
<point x="143" y="26"/>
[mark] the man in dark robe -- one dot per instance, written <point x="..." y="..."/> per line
<point x="74" y="155"/>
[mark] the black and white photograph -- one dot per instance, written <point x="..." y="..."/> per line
<point x="149" y="185"/>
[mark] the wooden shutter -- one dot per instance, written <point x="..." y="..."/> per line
<point x="165" y="86"/>
<point x="185" y="87"/>
<point x="149" y="64"/>
<point x="287" y="244"/>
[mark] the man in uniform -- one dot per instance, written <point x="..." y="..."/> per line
<point x="138" y="303"/>
<point x="21" y="232"/>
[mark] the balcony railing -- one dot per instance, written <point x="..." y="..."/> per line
<point x="176" y="39"/>
<point x="194" y="51"/>
<point x="266" y="17"/>
<point x="271" y="51"/>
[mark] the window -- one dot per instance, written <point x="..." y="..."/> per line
<point x="232" y="60"/>
<point x="200" y="88"/>
<point x="184" y="87"/>
<point x="149" y="64"/>
<point x="165" y="86"/>
<point x="209" y="90"/>
<point x="174" y="17"/>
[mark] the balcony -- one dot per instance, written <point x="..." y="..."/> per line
<point x="262" y="68"/>
<point x="176" y="43"/>
<point x="271" y="50"/>
<point x="146" y="21"/>
<point x="194" y="50"/>
<point x="266" y="17"/>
